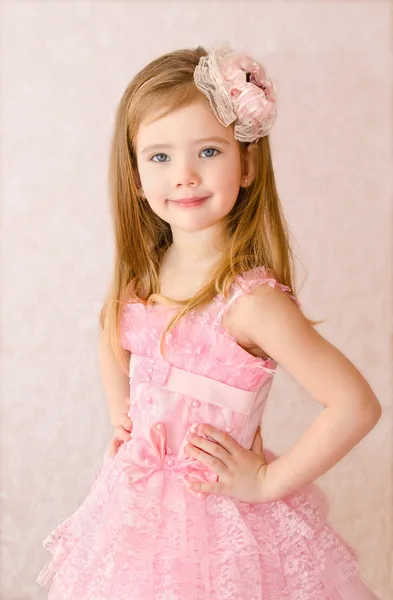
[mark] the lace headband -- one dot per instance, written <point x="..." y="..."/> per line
<point x="238" y="91"/>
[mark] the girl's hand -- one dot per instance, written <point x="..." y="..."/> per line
<point x="241" y="473"/>
<point x="123" y="427"/>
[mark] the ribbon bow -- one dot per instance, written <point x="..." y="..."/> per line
<point x="145" y="456"/>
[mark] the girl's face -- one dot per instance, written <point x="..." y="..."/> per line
<point x="190" y="167"/>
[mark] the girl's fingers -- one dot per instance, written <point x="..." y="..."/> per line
<point x="207" y="446"/>
<point x="215" y="464"/>
<point x="114" y="447"/>
<point x="119" y="437"/>
<point x="126" y="423"/>
<point x="122" y="434"/>
<point x="221" y="437"/>
<point x="205" y="488"/>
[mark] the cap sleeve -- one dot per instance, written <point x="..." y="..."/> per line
<point x="260" y="276"/>
<point x="244" y="284"/>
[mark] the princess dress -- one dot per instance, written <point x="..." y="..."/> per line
<point x="141" y="534"/>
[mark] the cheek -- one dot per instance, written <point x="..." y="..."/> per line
<point x="230" y="169"/>
<point x="152" y="181"/>
<point x="229" y="179"/>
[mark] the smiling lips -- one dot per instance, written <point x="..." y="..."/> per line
<point x="190" y="202"/>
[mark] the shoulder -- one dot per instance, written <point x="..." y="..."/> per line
<point x="258" y="292"/>
<point x="267" y="315"/>
<point x="258" y="280"/>
<point x="255" y="296"/>
<point x="263" y="304"/>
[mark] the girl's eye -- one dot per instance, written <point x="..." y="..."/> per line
<point x="159" y="157"/>
<point x="210" y="152"/>
<point x="207" y="153"/>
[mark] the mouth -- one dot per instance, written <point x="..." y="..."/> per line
<point x="190" y="202"/>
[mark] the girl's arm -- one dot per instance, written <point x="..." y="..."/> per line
<point x="270" y="320"/>
<point x="115" y="383"/>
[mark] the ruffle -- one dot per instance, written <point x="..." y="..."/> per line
<point x="165" y="543"/>
<point x="258" y="276"/>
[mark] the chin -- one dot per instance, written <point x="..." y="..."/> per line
<point x="194" y="226"/>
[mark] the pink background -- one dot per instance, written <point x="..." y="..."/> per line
<point x="64" y="68"/>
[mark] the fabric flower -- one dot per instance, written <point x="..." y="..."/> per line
<point x="239" y="92"/>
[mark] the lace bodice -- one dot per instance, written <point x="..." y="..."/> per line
<point x="217" y="380"/>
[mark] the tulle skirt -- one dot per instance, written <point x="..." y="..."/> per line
<point x="154" y="540"/>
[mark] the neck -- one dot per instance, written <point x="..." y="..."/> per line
<point x="195" y="249"/>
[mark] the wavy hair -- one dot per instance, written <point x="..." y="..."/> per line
<point x="256" y="233"/>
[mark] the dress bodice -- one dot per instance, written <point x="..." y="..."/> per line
<point x="205" y="377"/>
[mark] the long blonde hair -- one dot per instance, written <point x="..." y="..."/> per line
<point x="256" y="232"/>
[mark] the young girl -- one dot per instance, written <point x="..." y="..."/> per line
<point x="200" y="313"/>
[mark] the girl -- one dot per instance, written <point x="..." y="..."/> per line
<point x="200" y="313"/>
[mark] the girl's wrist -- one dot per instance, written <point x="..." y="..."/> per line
<point x="277" y="485"/>
<point x="269" y="492"/>
<point x="117" y="417"/>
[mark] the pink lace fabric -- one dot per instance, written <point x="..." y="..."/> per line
<point x="140" y="534"/>
<point x="249" y="103"/>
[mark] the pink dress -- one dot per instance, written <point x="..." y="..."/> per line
<point x="141" y="534"/>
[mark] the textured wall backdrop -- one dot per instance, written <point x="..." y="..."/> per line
<point x="64" y="68"/>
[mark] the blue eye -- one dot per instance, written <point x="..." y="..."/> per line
<point x="206" y="153"/>
<point x="211" y="150"/>
<point x="159" y="155"/>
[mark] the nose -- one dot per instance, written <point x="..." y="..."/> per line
<point x="187" y="176"/>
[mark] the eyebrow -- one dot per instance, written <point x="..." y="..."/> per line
<point x="202" y="140"/>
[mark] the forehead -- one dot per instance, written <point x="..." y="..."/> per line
<point x="181" y="126"/>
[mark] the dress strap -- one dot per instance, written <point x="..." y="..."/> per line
<point x="244" y="284"/>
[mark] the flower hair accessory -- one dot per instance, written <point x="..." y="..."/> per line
<point x="238" y="91"/>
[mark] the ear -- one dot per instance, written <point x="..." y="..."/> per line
<point x="249" y="164"/>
